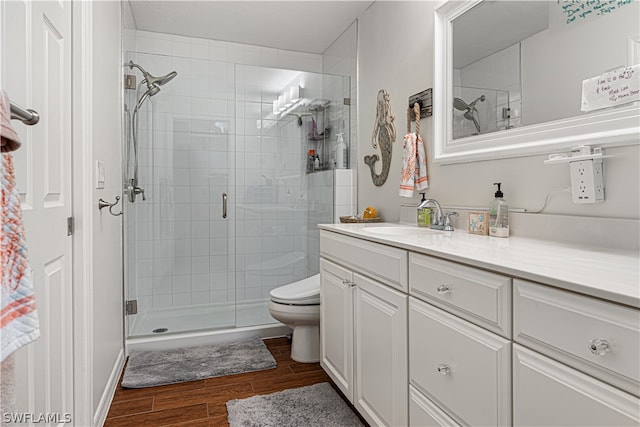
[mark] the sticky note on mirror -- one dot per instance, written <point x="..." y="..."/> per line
<point x="612" y="88"/>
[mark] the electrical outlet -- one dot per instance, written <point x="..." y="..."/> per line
<point x="587" y="184"/>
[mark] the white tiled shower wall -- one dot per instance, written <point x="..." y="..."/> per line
<point x="181" y="246"/>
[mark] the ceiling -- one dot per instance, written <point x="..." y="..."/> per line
<point x="304" y="26"/>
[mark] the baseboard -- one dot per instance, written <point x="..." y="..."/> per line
<point x="109" y="391"/>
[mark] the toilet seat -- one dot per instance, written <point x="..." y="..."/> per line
<point x="303" y="292"/>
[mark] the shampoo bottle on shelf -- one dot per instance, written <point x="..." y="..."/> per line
<point x="341" y="152"/>
<point x="499" y="215"/>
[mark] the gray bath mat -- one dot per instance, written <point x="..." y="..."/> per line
<point x="160" y="367"/>
<point x="315" y="405"/>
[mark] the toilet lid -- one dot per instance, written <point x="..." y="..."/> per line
<point x="306" y="291"/>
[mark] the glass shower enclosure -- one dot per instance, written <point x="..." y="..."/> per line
<point x="231" y="205"/>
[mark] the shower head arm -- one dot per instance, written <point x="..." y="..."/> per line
<point x="132" y="64"/>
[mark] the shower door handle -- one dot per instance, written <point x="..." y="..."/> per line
<point x="224" y="205"/>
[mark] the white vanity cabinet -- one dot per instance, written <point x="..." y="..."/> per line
<point x="598" y="343"/>
<point x="363" y="326"/>
<point x="413" y="337"/>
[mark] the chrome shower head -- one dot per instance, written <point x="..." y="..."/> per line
<point x="459" y="104"/>
<point x="152" y="80"/>
<point x="162" y="80"/>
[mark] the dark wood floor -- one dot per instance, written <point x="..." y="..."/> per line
<point x="202" y="403"/>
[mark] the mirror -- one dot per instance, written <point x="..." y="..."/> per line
<point x="508" y="77"/>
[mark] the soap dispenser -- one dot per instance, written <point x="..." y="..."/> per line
<point x="424" y="213"/>
<point x="498" y="215"/>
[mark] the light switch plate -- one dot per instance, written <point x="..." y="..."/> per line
<point x="99" y="174"/>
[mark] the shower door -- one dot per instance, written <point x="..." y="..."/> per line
<point x="178" y="240"/>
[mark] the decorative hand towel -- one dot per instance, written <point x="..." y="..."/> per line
<point x="9" y="140"/>
<point x="414" y="160"/>
<point x="18" y="319"/>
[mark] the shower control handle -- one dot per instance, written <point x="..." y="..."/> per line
<point x="224" y="205"/>
<point x="133" y="190"/>
<point x="138" y="190"/>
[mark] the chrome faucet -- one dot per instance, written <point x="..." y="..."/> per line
<point x="438" y="222"/>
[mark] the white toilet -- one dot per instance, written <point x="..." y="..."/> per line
<point x="297" y="305"/>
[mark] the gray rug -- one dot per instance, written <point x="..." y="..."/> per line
<point x="153" y="368"/>
<point x="314" y="405"/>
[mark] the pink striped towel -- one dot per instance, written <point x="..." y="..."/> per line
<point x="414" y="166"/>
<point x="18" y="318"/>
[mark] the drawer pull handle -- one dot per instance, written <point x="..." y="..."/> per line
<point x="444" y="369"/>
<point x="444" y="290"/>
<point x="599" y="347"/>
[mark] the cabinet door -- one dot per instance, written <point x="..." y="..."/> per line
<point x="547" y="393"/>
<point x="336" y="325"/>
<point x="380" y="324"/>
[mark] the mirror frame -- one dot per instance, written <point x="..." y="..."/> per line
<point x="608" y="127"/>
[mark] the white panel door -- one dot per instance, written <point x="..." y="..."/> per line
<point x="381" y="361"/>
<point x="36" y="70"/>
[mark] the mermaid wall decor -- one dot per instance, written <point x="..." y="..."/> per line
<point x="384" y="135"/>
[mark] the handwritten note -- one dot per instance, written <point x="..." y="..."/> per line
<point x="577" y="10"/>
<point x="616" y="87"/>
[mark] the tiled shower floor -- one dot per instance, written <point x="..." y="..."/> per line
<point x="201" y="317"/>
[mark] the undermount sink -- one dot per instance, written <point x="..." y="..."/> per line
<point x="399" y="231"/>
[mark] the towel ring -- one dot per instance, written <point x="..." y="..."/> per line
<point x="103" y="204"/>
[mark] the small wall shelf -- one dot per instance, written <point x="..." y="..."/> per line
<point x="568" y="159"/>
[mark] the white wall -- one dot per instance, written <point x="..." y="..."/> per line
<point x="396" y="53"/>
<point x="107" y="229"/>
<point x="557" y="60"/>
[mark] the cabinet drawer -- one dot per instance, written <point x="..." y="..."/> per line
<point x="384" y="263"/>
<point x="464" y="369"/>
<point x="548" y="393"/>
<point x="565" y="326"/>
<point x="479" y="296"/>
<point x="423" y="413"/>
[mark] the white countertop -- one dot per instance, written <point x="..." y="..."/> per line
<point x="607" y="274"/>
